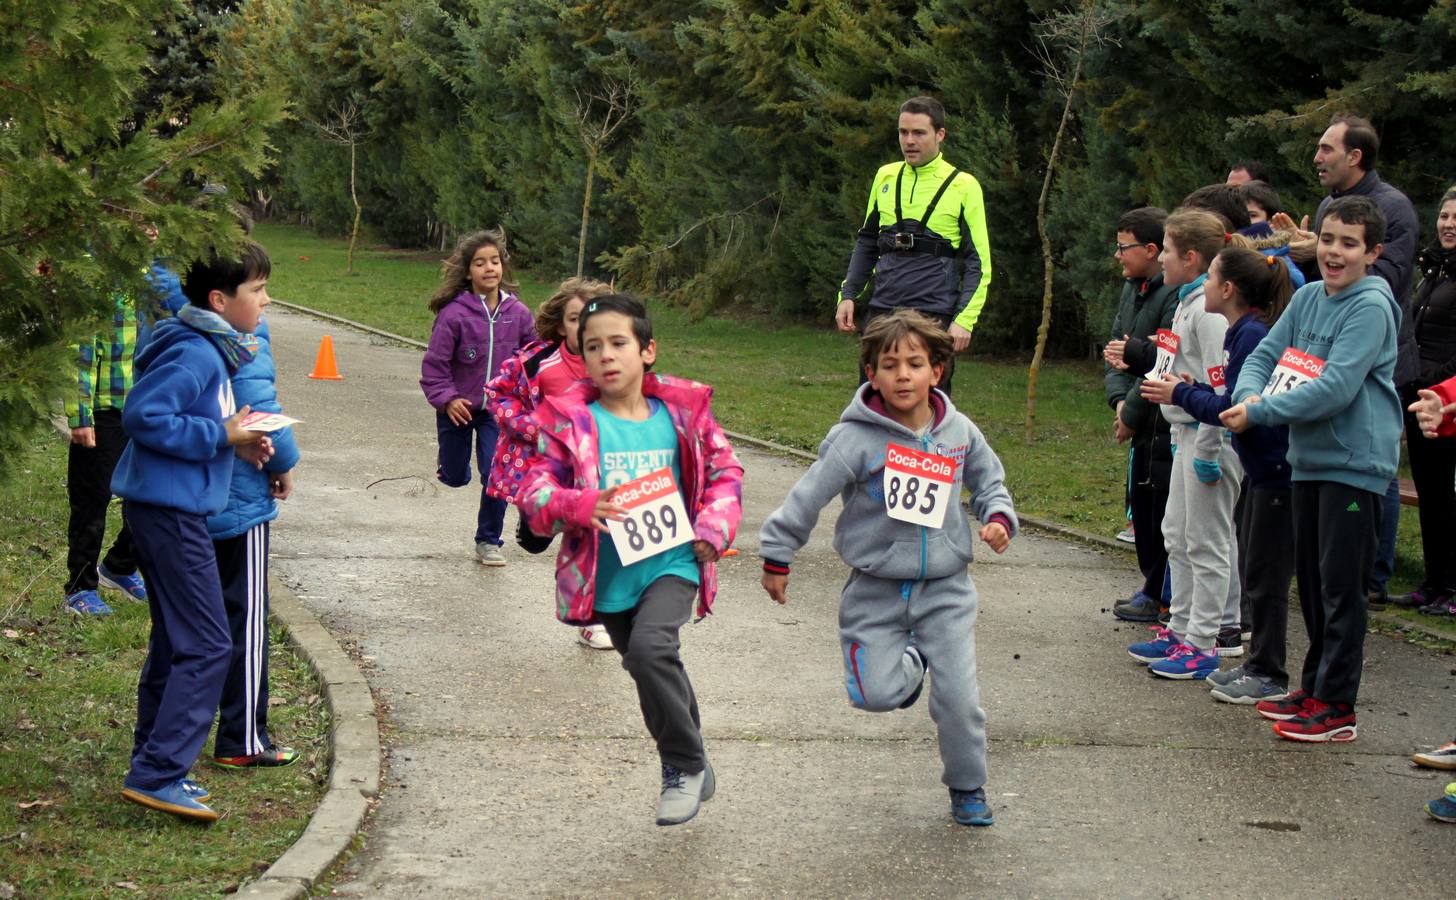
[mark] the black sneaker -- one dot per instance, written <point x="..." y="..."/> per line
<point x="1376" y="599"/>
<point x="1229" y="641"/>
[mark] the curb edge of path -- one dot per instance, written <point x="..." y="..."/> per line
<point x="354" y="749"/>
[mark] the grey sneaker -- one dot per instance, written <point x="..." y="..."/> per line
<point x="681" y="795"/>
<point x="1248" y="690"/>
<point x="489" y="554"/>
<point x="1225" y="676"/>
<point x="710" y="782"/>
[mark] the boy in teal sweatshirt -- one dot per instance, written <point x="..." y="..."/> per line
<point x="1325" y="370"/>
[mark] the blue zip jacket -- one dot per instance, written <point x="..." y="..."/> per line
<point x="249" y="502"/>
<point x="1344" y="426"/>
<point x="178" y="456"/>
<point x="1261" y="449"/>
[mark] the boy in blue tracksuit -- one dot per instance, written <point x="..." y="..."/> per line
<point x="184" y="429"/>
<point x="897" y="460"/>
<point x="1326" y="370"/>
<point x="240" y="540"/>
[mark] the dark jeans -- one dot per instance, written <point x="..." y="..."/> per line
<point x="875" y="312"/>
<point x="646" y="636"/>
<point x="454" y="470"/>
<point x="88" y="488"/>
<point x="1149" y="499"/>
<point x="1336" y="528"/>
<point x="1266" y="524"/>
<point x="1433" y="468"/>
<point x="1384" y="565"/>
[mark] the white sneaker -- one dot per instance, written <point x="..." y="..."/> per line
<point x="1443" y="757"/>
<point x="595" y="637"/>
<point x="1127" y="535"/>
<point x="489" y="554"/>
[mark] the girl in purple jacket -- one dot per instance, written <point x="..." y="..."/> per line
<point x="479" y="324"/>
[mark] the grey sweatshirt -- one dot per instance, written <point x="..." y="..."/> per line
<point x="1200" y="354"/>
<point x="852" y="463"/>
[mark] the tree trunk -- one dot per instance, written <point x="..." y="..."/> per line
<point x="591" y="171"/>
<point x="1046" y="244"/>
<point x="353" y="195"/>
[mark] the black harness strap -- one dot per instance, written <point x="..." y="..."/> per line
<point x="925" y="218"/>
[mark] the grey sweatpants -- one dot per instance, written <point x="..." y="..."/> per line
<point x="1198" y="530"/>
<point x="876" y="617"/>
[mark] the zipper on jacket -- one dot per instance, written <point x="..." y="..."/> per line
<point x="490" y="336"/>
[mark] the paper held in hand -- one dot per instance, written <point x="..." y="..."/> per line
<point x="656" y="518"/>
<point x="918" y="486"/>
<point x="265" y="421"/>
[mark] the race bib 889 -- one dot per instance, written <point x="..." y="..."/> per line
<point x="656" y="518"/>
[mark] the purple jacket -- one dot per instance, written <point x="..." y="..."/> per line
<point x="468" y="346"/>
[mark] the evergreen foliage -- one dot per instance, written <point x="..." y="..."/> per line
<point x="94" y="150"/>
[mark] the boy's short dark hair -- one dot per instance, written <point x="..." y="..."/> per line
<point x="625" y="304"/>
<point x="926" y="106"/>
<point x="1263" y="196"/>
<point x="217" y="273"/>
<point x="1224" y="200"/>
<point x="1355" y="210"/>
<point x="1360" y="135"/>
<point x="1256" y="169"/>
<point x="885" y="332"/>
<point x="1144" y="223"/>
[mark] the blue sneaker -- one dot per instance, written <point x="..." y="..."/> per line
<point x="1443" y="808"/>
<point x="87" y="603"/>
<point x="173" y="798"/>
<point x="131" y="585"/>
<point x="1185" y="662"/>
<point x="1137" y="608"/>
<point x="1158" y="648"/>
<point x="195" y="790"/>
<point x="970" y="807"/>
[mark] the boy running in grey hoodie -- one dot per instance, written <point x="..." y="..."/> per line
<point x="897" y="460"/>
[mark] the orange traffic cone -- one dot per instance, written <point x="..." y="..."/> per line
<point x="324" y="367"/>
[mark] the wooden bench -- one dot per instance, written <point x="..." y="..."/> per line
<point x="1408" y="493"/>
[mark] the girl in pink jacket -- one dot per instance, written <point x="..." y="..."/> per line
<point x="638" y="477"/>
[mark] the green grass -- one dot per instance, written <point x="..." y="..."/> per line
<point x="66" y="715"/>
<point x="787" y="381"/>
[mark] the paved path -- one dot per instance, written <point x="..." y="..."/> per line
<point x="518" y="764"/>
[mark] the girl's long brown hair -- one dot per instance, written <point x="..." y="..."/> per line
<point x="550" y="315"/>
<point x="455" y="271"/>
<point x="1263" y="281"/>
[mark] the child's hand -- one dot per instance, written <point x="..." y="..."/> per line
<point x="995" y="536"/>
<point x="239" y="436"/>
<point x="705" y="552"/>
<point x="85" y="436"/>
<point x="1430" y="413"/>
<point x="606" y="510"/>
<point x="256" y="453"/>
<point x="1113" y="351"/>
<point x="1159" y="390"/>
<point x="777" y="587"/>
<point x="1236" y="417"/>
<point x="459" y="411"/>
<point x="280" y="485"/>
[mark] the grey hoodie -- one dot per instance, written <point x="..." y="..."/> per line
<point x="852" y="463"/>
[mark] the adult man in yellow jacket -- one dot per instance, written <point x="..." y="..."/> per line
<point x="924" y="236"/>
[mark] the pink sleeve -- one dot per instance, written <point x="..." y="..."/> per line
<point x="722" y="504"/>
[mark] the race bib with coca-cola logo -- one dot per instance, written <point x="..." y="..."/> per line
<point x="1296" y="368"/>
<point x="918" y="486"/>
<point x="1167" y="351"/>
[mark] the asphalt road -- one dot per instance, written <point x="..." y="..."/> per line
<point x="518" y="763"/>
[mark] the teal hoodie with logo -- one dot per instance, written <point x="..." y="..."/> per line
<point x="1344" y="424"/>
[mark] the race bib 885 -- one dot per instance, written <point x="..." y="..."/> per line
<point x="918" y="486"/>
